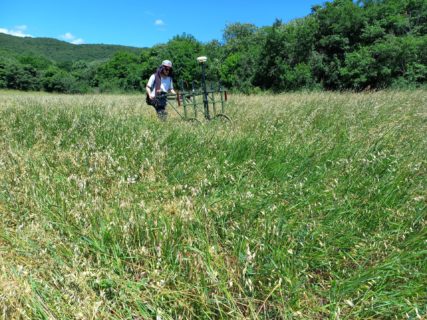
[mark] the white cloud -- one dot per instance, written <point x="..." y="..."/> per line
<point x="68" y="36"/>
<point x="18" y="31"/>
<point x="78" y="41"/>
<point x="72" y="38"/>
<point x="159" y="22"/>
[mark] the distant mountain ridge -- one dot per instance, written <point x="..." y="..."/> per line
<point x="59" y="51"/>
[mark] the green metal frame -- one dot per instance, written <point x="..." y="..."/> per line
<point x="191" y="102"/>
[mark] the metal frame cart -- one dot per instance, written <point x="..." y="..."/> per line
<point x="213" y="100"/>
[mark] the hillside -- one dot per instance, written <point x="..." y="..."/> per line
<point x="59" y="51"/>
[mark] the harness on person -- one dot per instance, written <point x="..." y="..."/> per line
<point x="159" y="100"/>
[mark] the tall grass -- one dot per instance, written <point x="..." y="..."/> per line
<point x="308" y="206"/>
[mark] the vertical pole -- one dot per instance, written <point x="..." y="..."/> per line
<point x="193" y="95"/>
<point x="184" y="102"/>
<point x="213" y="99"/>
<point x="205" y="93"/>
<point x="222" y="97"/>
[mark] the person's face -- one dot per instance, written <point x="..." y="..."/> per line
<point x="166" y="70"/>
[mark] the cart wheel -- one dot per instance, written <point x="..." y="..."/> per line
<point x="222" y="117"/>
<point x="193" y="120"/>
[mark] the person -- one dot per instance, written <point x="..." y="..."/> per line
<point x="159" y="84"/>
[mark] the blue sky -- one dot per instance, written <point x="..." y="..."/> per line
<point x="140" y="23"/>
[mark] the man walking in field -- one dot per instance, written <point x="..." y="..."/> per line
<point x="159" y="84"/>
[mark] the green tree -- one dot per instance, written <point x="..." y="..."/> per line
<point x="14" y="75"/>
<point x="272" y="63"/>
<point x="4" y="62"/>
<point x="243" y="44"/>
<point x="215" y="52"/>
<point x="57" y="80"/>
<point x="122" y="72"/>
<point x="360" y="72"/>
<point x="340" y="25"/>
<point x="228" y="69"/>
<point x="342" y="44"/>
<point x="182" y="51"/>
<point x="149" y="61"/>
<point x="37" y="62"/>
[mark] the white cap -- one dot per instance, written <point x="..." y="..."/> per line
<point x="167" y="63"/>
<point x="202" y="59"/>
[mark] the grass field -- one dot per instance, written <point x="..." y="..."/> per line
<point x="308" y="206"/>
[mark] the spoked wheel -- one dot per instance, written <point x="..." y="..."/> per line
<point x="193" y="121"/>
<point x="220" y="117"/>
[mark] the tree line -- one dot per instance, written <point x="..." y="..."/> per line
<point x="340" y="45"/>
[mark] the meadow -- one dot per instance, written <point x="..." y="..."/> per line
<point x="306" y="206"/>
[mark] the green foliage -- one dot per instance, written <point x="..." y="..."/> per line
<point x="228" y="68"/>
<point x="57" y="80"/>
<point x="340" y="24"/>
<point x="359" y="72"/>
<point x="299" y="77"/>
<point x="85" y="74"/>
<point x="4" y="65"/>
<point x="283" y="62"/>
<point x="271" y="64"/>
<point x="60" y="51"/>
<point x="341" y="45"/>
<point x="37" y="62"/>
<point x="149" y="60"/>
<point x="243" y="45"/>
<point x="372" y="33"/>
<point x="14" y="75"/>
<point x="123" y="71"/>
<point x="182" y="51"/>
<point x="215" y="51"/>
<point x="416" y="73"/>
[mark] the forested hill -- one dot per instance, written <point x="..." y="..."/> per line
<point x="340" y="45"/>
<point x="60" y="51"/>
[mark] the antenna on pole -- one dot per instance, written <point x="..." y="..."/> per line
<point x="202" y="60"/>
<point x="189" y="98"/>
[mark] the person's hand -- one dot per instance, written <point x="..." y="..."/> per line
<point x="152" y="96"/>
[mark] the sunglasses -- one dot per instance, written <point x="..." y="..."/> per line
<point x="166" y="68"/>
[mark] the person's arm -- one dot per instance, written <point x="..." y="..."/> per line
<point x="171" y="90"/>
<point x="149" y="86"/>
<point x="147" y="89"/>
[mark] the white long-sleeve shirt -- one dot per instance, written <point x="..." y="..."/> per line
<point x="165" y="86"/>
